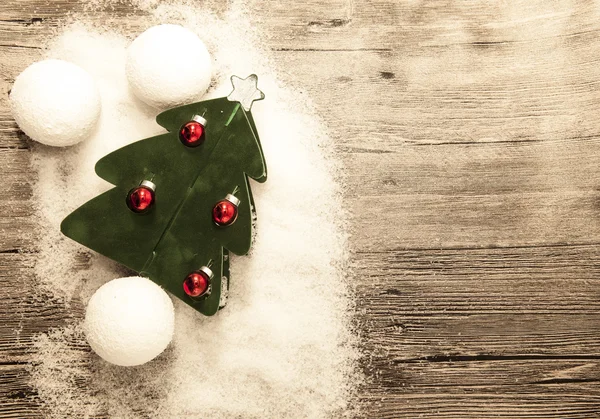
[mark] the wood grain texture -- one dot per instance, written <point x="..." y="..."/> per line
<point x="471" y="137"/>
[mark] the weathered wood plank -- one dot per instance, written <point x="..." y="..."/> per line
<point x="503" y="302"/>
<point x="483" y="406"/>
<point x="482" y="389"/>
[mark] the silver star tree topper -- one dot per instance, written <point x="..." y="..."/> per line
<point x="245" y="91"/>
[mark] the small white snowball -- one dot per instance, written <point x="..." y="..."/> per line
<point x="56" y="103"/>
<point x="168" y="65"/>
<point x="129" y="321"/>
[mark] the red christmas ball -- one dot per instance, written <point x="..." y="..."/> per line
<point x="192" y="134"/>
<point x="140" y="199"/>
<point x="225" y="212"/>
<point x="196" y="284"/>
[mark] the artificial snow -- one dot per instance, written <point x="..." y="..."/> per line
<point x="168" y="65"/>
<point x="129" y="321"/>
<point x="284" y="346"/>
<point x="55" y="102"/>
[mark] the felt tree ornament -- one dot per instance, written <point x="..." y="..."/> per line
<point x="181" y="200"/>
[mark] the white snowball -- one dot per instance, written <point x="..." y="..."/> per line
<point x="56" y="103"/>
<point x="129" y="321"/>
<point x="168" y="65"/>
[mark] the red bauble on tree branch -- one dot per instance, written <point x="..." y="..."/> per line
<point x="192" y="133"/>
<point x="197" y="283"/>
<point x="141" y="199"/>
<point x="226" y="210"/>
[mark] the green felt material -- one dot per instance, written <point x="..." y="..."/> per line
<point x="178" y="234"/>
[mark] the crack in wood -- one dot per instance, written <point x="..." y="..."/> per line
<point x="475" y="248"/>
<point x="423" y="144"/>
<point x="332" y="23"/>
<point x="17" y="251"/>
<point x="565" y="381"/>
<point x="332" y="49"/>
<point x="359" y="150"/>
<point x="24" y="393"/>
<point x="13" y="363"/>
<point x="18" y="46"/>
<point x="24" y="22"/>
<point x="488" y="358"/>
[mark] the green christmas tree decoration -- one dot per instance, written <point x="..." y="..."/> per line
<point x="181" y="201"/>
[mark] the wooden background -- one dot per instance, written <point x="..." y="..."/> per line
<point x="471" y="134"/>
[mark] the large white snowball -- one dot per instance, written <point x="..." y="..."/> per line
<point x="56" y="103"/>
<point x="129" y="321"/>
<point x="168" y="65"/>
